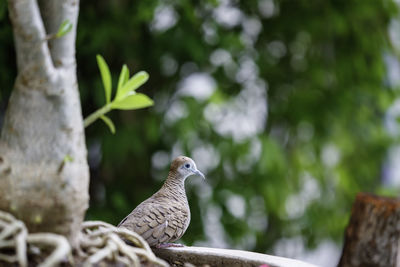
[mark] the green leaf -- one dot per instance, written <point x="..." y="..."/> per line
<point x="105" y="76"/>
<point x="68" y="158"/>
<point x="137" y="80"/>
<point x="109" y="123"/>
<point x="123" y="77"/>
<point x="133" y="101"/>
<point x="65" y="27"/>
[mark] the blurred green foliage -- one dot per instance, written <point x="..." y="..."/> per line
<point x="302" y="81"/>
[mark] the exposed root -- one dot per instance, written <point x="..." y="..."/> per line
<point x="98" y="242"/>
<point x="13" y="237"/>
<point x="102" y="241"/>
<point x="62" y="249"/>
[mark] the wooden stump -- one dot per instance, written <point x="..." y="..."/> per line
<point x="372" y="236"/>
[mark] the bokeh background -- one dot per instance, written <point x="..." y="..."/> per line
<point x="289" y="107"/>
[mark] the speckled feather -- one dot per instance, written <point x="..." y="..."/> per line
<point x="165" y="216"/>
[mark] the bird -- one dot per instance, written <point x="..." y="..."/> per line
<point x="164" y="217"/>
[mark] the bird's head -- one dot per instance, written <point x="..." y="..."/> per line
<point x="185" y="167"/>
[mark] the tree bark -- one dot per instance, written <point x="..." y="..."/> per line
<point x="372" y="236"/>
<point x="43" y="168"/>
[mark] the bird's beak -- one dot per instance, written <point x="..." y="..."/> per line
<point x="199" y="173"/>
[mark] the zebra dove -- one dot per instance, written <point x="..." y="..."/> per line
<point x="165" y="216"/>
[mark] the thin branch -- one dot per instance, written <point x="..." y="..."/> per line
<point x="29" y="33"/>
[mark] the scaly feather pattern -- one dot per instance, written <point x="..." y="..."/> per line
<point x="165" y="216"/>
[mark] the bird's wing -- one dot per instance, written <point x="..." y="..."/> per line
<point x="178" y="222"/>
<point x="122" y="222"/>
<point x="157" y="223"/>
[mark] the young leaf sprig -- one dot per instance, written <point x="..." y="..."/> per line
<point x="126" y="97"/>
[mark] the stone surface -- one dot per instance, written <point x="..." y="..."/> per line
<point x="224" y="257"/>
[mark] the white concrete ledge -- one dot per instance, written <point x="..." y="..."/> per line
<point x="225" y="257"/>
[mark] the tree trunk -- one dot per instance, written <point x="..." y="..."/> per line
<point x="43" y="169"/>
<point x="372" y="236"/>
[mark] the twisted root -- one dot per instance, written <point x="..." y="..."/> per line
<point x="98" y="242"/>
<point x="14" y="237"/>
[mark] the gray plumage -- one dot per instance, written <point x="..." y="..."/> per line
<point x="165" y="216"/>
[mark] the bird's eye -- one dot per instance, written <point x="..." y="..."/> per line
<point x="187" y="165"/>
